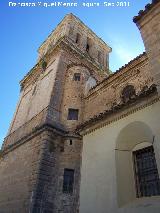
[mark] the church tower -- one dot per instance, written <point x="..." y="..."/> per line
<point x="41" y="154"/>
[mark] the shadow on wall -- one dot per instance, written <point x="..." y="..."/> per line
<point x="134" y="136"/>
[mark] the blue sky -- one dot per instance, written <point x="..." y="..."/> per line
<point x="23" y="29"/>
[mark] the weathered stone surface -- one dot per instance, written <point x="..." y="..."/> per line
<point x="109" y="91"/>
<point x="38" y="146"/>
<point x="149" y="26"/>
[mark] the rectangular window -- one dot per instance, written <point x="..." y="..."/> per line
<point x="77" y="77"/>
<point x="68" y="180"/>
<point x="78" y="37"/>
<point x="146" y="173"/>
<point x="88" y="45"/>
<point x="73" y="114"/>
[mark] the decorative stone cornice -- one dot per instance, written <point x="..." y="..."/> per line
<point x="36" y="131"/>
<point x="119" y="111"/>
<point x="148" y="8"/>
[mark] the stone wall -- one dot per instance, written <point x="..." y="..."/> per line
<point x="109" y="91"/>
<point x="69" y="158"/>
<point x="31" y="172"/>
<point x="35" y="96"/>
<point x="71" y="26"/>
<point x="40" y="144"/>
<point x="73" y="95"/>
<point x="18" y="176"/>
<point x="25" y="129"/>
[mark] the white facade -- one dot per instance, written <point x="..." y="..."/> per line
<point x="107" y="174"/>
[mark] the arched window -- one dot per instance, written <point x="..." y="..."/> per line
<point x="91" y="82"/>
<point x="128" y="93"/>
<point x="136" y="168"/>
<point x="77" y="77"/>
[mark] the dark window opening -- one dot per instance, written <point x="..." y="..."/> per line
<point x="44" y="65"/>
<point x="77" y="77"/>
<point x="78" y="37"/>
<point x="87" y="47"/>
<point x="70" y="142"/>
<point x="73" y="114"/>
<point x="68" y="180"/>
<point x="146" y="173"/>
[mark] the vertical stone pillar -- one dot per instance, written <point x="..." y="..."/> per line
<point x="148" y="22"/>
<point x="57" y="92"/>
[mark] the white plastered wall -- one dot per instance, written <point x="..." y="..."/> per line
<point x="98" y="192"/>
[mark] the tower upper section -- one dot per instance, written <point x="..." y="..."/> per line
<point x="71" y="61"/>
<point x="81" y="37"/>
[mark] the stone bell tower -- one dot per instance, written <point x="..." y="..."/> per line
<point x="41" y="155"/>
<point x="148" y="22"/>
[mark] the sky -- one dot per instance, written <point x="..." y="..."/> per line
<point x="23" y="29"/>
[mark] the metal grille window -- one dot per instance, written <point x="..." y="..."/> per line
<point x="77" y="77"/>
<point x="73" y="114"/>
<point x="146" y="173"/>
<point x="68" y="180"/>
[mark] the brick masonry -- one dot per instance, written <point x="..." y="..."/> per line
<point x="37" y="148"/>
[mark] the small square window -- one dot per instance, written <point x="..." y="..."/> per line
<point x="77" y="77"/>
<point x="73" y="114"/>
<point x="68" y="180"/>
